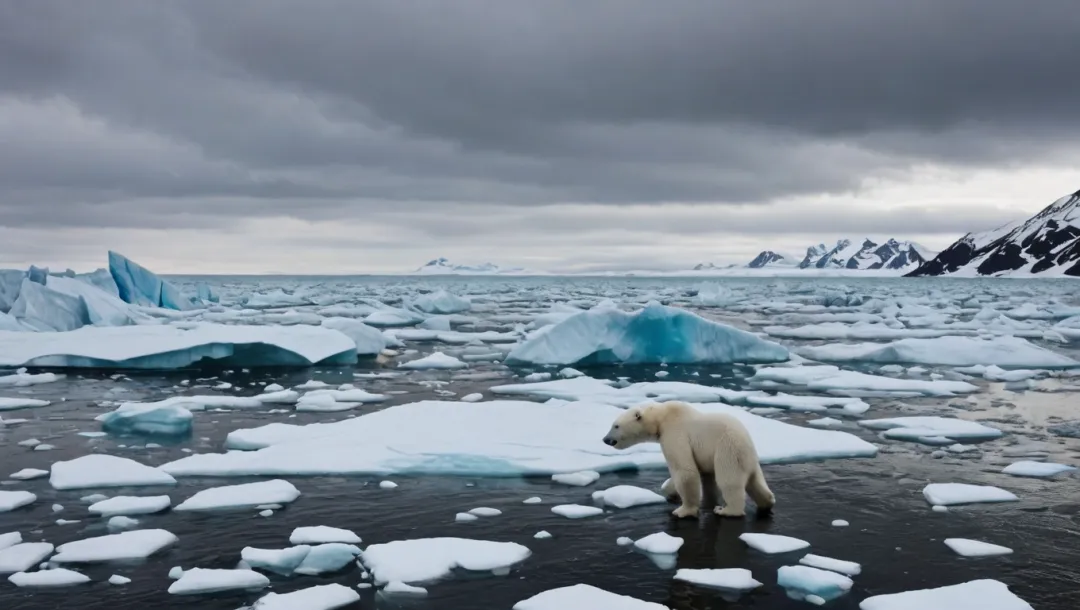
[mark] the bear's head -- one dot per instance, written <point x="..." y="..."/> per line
<point x="631" y="427"/>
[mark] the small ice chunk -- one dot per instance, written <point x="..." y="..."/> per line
<point x="60" y="577"/>
<point x="321" y="597"/>
<point x="474" y="397"/>
<point x="660" y="543"/>
<point x="326" y="558"/>
<point x="974" y="548"/>
<point x="44" y="447"/>
<point x="130" y="505"/>
<point x="121" y="522"/>
<point x="247" y="495"/>
<point x="176" y="573"/>
<point x="825" y="422"/>
<point x="57" y="508"/>
<point x="537" y="377"/>
<point x="169" y="417"/>
<point x="137" y="544"/>
<point x="542" y="535"/>
<point x="465" y="518"/>
<point x="569" y="373"/>
<point x="10" y="539"/>
<point x="10" y="500"/>
<point x="733" y="579"/>
<point x="435" y="361"/>
<point x="322" y="534"/>
<point x="577" y="479"/>
<point x="399" y="588"/>
<point x="626" y="496"/>
<point x="427" y="559"/>
<point x="23" y="556"/>
<point x="100" y="470"/>
<point x="584" y="596"/>
<point x="117" y="579"/>
<point x="10" y="404"/>
<point x="939" y="509"/>
<point x="28" y="473"/>
<point x="812" y="581"/>
<point x="848" y="568"/>
<point x="273" y="387"/>
<point x="951" y="494"/>
<point x="283" y="561"/>
<point x="576" y="511"/>
<point x="624" y="541"/>
<point x="1024" y="468"/>
<point x="983" y="594"/>
<point x="30" y="442"/>
<point x="840" y="523"/>
<point x="266" y="513"/>
<point x="93" y="498"/>
<point x="532" y="500"/>
<point x="199" y="581"/>
<point x="772" y="543"/>
<point x="484" y="511"/>
<point x="388" y="485"/>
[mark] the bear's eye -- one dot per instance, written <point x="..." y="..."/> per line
<point x="616" y="426"/>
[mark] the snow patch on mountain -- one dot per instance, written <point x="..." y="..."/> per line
<point x="442" y="266"/>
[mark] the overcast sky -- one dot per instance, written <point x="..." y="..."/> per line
<point x="343" y="136"/>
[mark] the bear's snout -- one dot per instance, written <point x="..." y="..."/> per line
<point x="610" y="441"/>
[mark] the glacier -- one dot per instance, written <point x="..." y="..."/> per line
<point x="654" y="334"/>
<point x="140" y="286"/>
<point x="170" y="347"/>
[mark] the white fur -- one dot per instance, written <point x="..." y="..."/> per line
<point x="705" y="452"/>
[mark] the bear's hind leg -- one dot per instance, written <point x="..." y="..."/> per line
<point x="732" y="484"/>
<point x="759" y="491"/>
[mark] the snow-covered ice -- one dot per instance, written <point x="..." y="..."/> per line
<point x="10" y="404"/>
<point x="626" y="496"/>
<point x="204" y="581"/>
<point x="279" y="561"/>
<point x="484" y="511"/>
<point x="812" y="581"/>
<point x="10" y="500"/>
<point x="975" y="548"/>
<point x="322" y="534"/>
<point x="577" y="479"/>
<point x="542" y="535"/>
<point x="130" y="505"/>
<point x="832" y="379"/>
<point x="99" y="470"/>
<point x="27" y="474"/>
<point x="427" y="559"/>
<point x="653" y="334"/>
<point x="320" y="597"/>
<point x="117" y="579"/>
<point x="518" y="438"/>
<point x="951" y="494"/>
<point x="465" y="517"/>
<point x="921" y="428"/>
<point x="435" y="361"/>
<point x="773" y="543"/>
<point x="325" y="558"/>
<point x="1003" y="351"/>
<point x="137" y="544"/>
<point x="660" y="543"/>
<point x="584" y="597"/>
<point x="23" y="556"/>
<point x="848" y="568"/>
<point x="399" y="588"/>
<point x="983" y="594"/>
<point x="576" y="511"/>
<point x="245" y="495"/>
<point x="1026" y="468"/>
<point x="10" y="539"/>
<point x="732" y="579"/>
<point x="59" y="577"/>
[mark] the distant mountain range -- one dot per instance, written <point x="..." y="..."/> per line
<point x="442" y="266"/>
<point x="1047" y="244"/>
<point x="850" y="254"/>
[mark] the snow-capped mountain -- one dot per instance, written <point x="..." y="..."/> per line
<point x="442" y="266"/>
<point x="865" y="253"/>
<point x="711" y="267"/>
<point x="1048" y="243"/>
<point x="768" y="258"/>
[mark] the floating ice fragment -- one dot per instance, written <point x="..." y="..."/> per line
<point x="117" y="579"/>
<point x="388" y="485"/>
<point x="834" y="380"/>
<point x="130" y="505"/>
<point x="812" y="581"/>
<point x="28" y="473"/>
<point x="951" y="494"/>
<point x="59" y="577"/>
<point x="1025" y="469"/>
<point x="918" y="428"/>
<point x="399" y="588"/>
<point x="435" y="361"/>
<point x="848" y="568"/>
<point x="772" y="543"/>
<point x="246" y="495"/>
<point x="98" y="470"/>
<point x="441" y="302"/>
<point x="10" y="404"/>
<point x="325" y="558"/>
<point x="137" y="544"/>
<point x="10" y="500"/>
<point x="624" y="541"/>
<point x="982" y="594"/>
<point x="427" y="559"/>
<point x="1003" y="351"/>
<point x="283" y="561"/>
<point x="322" y="534"/>
<point x="465" y="517"/>
<point x="840" y="523"/>
<point x="474" y="397"/>
<point x="542" y="535"/>
<point x="532" y="500"/>
<point x="10" y="539"/>
<point x="825" y="422"/>
<point x="626" y="496"/>
<point x="584" y="596"/>
<point x="732" y="579"/>
<point x="576" y="511"/>
<point x="975" y="548"/>
<point x="23" y="556"/>
<point x="321" y="597"/>
<point x="484" y="511"/>
<point x="167" y="417"/>
<point x="122" y="522"/>
<point x="577" y="479"/>
<point x="660" y="543"/>
<point x="202" y="581"/>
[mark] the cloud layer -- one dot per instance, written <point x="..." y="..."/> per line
<point x="399" y="131"/>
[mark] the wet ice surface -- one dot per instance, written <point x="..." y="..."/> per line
<point x="894" y="534"/>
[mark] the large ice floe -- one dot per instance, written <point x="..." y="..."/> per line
<point x="124" y="546"/>
<point x="497" y="438"/>
<point x="931" y="430"/>
<point x="98" y="470"/>
<point x="584" y="596"/>
<point x="654" y="334"/>
<point x="833" y="380"/>
<point x="1007" y="352"/>
<point x="427" y="559"/>
<point x="171" y="346"/>
<point x="982" y="594"/>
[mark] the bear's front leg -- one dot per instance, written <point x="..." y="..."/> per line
<point x="688" y="484"/>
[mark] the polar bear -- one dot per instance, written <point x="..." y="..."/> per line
<point x="713" y="451"/>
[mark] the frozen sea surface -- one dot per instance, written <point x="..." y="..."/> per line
<point x="895" y="536"/>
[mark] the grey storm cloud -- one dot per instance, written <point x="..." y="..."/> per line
<point x="121" y="113"/>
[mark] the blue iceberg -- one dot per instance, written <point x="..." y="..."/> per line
<point x="102" y="280"/>
<point x="102" y="309"/>
<point x="655" y="334"/>
<point x="441" y="302"/>
<point x="155" y="418"/>
<point x="37" y="274"/>
<point x="43" y="309"/>
<point x="204" y="292"/>
<point x="140" y="286"/>
<point x="10" y="282"/>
